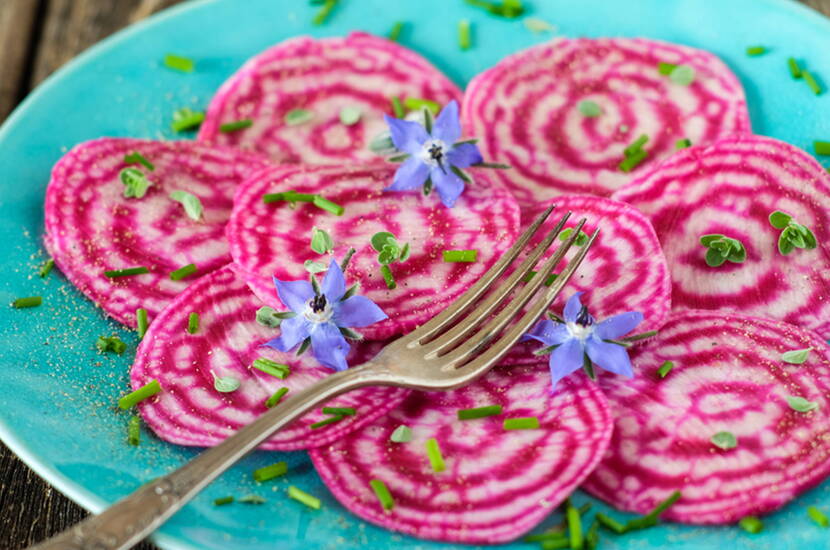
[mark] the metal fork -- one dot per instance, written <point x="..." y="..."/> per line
<point x="451" y="350"/>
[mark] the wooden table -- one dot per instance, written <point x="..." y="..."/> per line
<point x="37" y="37"/>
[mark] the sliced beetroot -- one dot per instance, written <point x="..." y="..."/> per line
<point x="527" y="111"/>
<point x="190" y="411"/>
<point x="92" y="228"/>
<point x="273" y="240"/>
<point x="624" y="271"/>
<point x="728" y="376"/>
<point x="731" y="188"/>
<point x="321" y="77"/>
<point x="498" y="484"/>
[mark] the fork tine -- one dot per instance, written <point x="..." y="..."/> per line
<point x="461" y="329"/>
<point x="503" y="318"/>
<point x="437" y="323"/>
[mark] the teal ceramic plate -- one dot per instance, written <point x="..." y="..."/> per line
<point x="57" y="396"/>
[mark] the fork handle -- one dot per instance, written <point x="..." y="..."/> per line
<point x="134" y="517"/>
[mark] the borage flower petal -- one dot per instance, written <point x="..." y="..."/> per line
<point x="329" y="346"/>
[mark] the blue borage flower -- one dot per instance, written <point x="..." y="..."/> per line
<point x="322" y="316"/>
<point x="432" y="155"/>
<point x="581" y="341"/>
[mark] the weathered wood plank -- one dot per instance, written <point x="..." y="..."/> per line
<point x="17" y="29"/>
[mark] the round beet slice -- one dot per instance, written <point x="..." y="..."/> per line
<point x="92" y="228"/>
<point x="728" y="376"/>
<point x="624" y="271"/>
<point x="529" y="111"/>
<point x="190" y="411"/>
<point x="273" y="240"/>
<point x="295" y="93"/>
<point x="731" y="188"/>
<point x="497" y="483"/>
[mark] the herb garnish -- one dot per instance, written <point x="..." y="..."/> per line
<point x="464" y="34"/>
<point x="224" y="384"/>
<point x="349" y="116"/>
<point x="793" y="235"/>
<point x="305" y="498"/>
<point x="479" y="412"/>
<point x="191" y="203"/>
<point x="137" y="158"/>
<point x="753" y="51"/>
<point x="634" y="154"/>
<point x="141" y="322"/>
<point x="183" y="272"/>
<point x="295" y="117"/>
<point x="186" y="119"/>
<point x="278" y="370"/>
<point x="270" y="472"/>
<point x="724" y="440"/>
<point x="149" y="389"/>
<point x="110" y="343"/>
<point x="436" y="460"/>
<point x="395" y="33"/>
<point x="135" y="182"/>
<point x="401" y="434"/>
<point x="134" y="431"/>
<point x="389" y="251"/>
<point x="276" y="398"/>
<point x="179" y="63"/>
<point x="460" y="256"/>
<point x="796" y="356"/>
<point x="751" y="524"/>
<point x="523" y="423"/>
<point x="721" y="248"/>
<point x="126" y="272"/>
<point x="800" y="404"/>
<point x="193" y="323"/>
<point x="231" y="127"/>
<point x="382" y="492"/>
<point x="28" y="301"/>
<point x="509" y="9"/>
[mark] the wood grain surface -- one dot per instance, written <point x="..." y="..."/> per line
<point x="37" y="37"/>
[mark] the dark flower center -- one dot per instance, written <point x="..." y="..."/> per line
<point x="584" y="318"/>
<point x="318" y="303"/>
<point x="436" y="152"/>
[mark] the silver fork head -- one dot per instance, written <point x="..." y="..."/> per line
<point x="450" y="351"/>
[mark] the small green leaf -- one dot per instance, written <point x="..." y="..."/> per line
<point x="800" y="404"/>
<point x="737" y="254"/>
<point x="382" y="144"/>
<point x="224" y="384"/>
<point x="714" y="258"/>
<point x="321" y="241"/>
<point x="427" y="187"/>
<point x="796" y="356"/>
<point x="795" y="237"/>
<point x="810" y="239"/>
<point x="405" y="252"/>
<point x="295" y="117"/>
<point x="314" y="267"/>
<point x="267" y="317"/>
<point x="402" y="434"/>
<point x="779" y="220"/>
<point x="707" y="240"/>
<point x="135" y="182"/>
<point x="380" y="239"/>
<point x="580" y="240"/>
<point x="683" y="75"/>
<point x="192" y="205"/>
<point x="350" y="116"/>
<point x="724" y="440"/>
<point x="387" y="256"/>
<point x="784" y="244"/>
<point x="588" y="108"/>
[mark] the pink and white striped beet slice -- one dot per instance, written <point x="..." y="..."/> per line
<point x="526" y="111"/>
<point x="92" y="228"/>
<point x="625" y="269"/>
<point x="731" y="188"/>
<point x="189" y="411"/>
<point x="498" y="484"/>
<point x="322" y="77"/>
<point x="273" y="240"/>
<point x="728" y="376"/>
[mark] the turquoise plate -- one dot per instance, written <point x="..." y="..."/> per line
<point x="58" y="395"/>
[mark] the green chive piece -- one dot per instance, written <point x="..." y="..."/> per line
<point x="126" y="272"/>
<point x="479" y="412"/>
<point x="141" y="322"/>
<point x="557" y="544"/>
<point x="135" y="182"/>
<point x="631" y="162"/>
<point x="401" y="434"/>
<point x="581" y="238"/>
<point x="589" y="108"/>
<point x="460" y="256"/>
<point x="724" y="440"/>
<point x="346" y="411"/>
<point x="538" y="26"/>
<point x="509" y="9"/>
<point x="800" y="404"/>
<point x="751" y="524"/>
<point x="397" y="107"/>
<point x="755" y="50"/>
<point x="328" y="206"/>
<point x="231" y="127"/>
<point x="436" y="460"/>
<point x="395" y="33"/>
<point x="796" y="356"/>
<point x="193" y="323"/>
<point x="191" y="203"/>
<point x="331" y="420"/>
<point x="186" y="119"/>
<point x="305" y="498"/>
<point x="324" y="12"/>
<point x="46" y="268"/>
<point x="822" y="147"/>
<point x="222" y="501"/>
<point x="818" y="516"/>
<point x="522" y="423"/>
<point x="276" y="398"/>
<point x="137" y="158"/>
<point x="574" y="526"/>
<point x="610" y="523"/>
<point x="417" y="103"/>
<point x="270" y="472"/>
<point x="636" y="145"/>
<point x="289" y="196"/>
<point x="149" y="389"/>
<point x="555" y="534"/>
<point x="592" y="536"/>
<point x="464" y="34"/>
<point x="682" y="143"/>
<point x="349" y="116"/>
<point x="252" y="499"/>
<point x="665" y="368"/>
<point x="273" y="368"/>
<point x="652" y="518"/>
<point x="665" y="69"/>
<point x="385" y="498"/>
<point x="183" y="272"/>
<point x="295" y="117"/>
<point x="134" y="431"/>
<point x="110" y="343"/>
<point x="795" y="70"/>
<point x="29" y="301"/>
<point x="224" y="384"/>
<point x="388" y="277"/>
<point x="811" y="82"/>
<point x="179" y="63"/>
<point x="683" y="75"/>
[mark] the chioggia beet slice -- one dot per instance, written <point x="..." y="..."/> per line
<point x="273" y="240"/>
<point x="496" y="484"/>
<point x="625" y="269"/>
<point x="321" y="101"/>
<point x="92" y="228"/>
<point x="730" y="189"/>
<point x="562" y="114"/>
<point x="191" y="411"/>
<point x="675" y="433"/>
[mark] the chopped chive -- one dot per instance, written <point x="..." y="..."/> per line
<point x="555" y="535"/>
<point x="347" y="411"/>
<point x="141" y="322"/>
<point x="397" y="107"/>
<point x="349" y="116"/>
<point x="652" y="518"/>
<point x="134" y="431"/>
<point x="818" y="516"/>
<point x="395" y="33"/>
<point x="436" y="460"/>
<point x="610" y="523"/>
<point x="276" y="398"/>
<point x="557" y="544"/>
<point x="183" y="272"/>
<point x="221" y="501"/>
<point x="328" y="206"/>
<point x="665" y="368"/>
<point x="331" y="420"/>
<point x="795" y="70"/>
<point x="193" y="323"/>
<point x="179" y="63"/>
<point x="295" y="117"/>
<point x="479" y="412"/>
<point x="290" y="196"/>
<point x="324" y="12"/>
<point x="110" y="343"/>
<point x="460" y="256"/>
<point x="536" y="25"/>
<point x="665" y="68"/>
<point x="592" y="536"/>
<point x="126" y="272"/>
<point x="186" y="119"/>
<point x="549" y="281"/>
<point x="29" y="301"/>
<point x="401" y="434"/>
<point x="137" y="158"/>
<point x="589" y="108"/>
<point x="682" y="143"/>
<point x="811" y="82"/>
<point x="230" y="127"/>
<point x="270" y="472"/>
<point x="822" y="147"/>
<point x="464" y="34"/>
<point x="388" y="277"/>
<point x="756" y="50"/>
<point x="631" y="162"/>
<point x="385" y="498"/>
<point x="305" y="498"/>
<point x="252" y="499"/>
<point x="149" y="389"/>
<point x="417" y="103"/>
<point x="46" y="268"/>
<point x="522" y="423"/>
<point x="273" y="368"/>
<point x="574" y="526"/>
<point x="636" y="145"/>
<point x="751" y="524"/>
